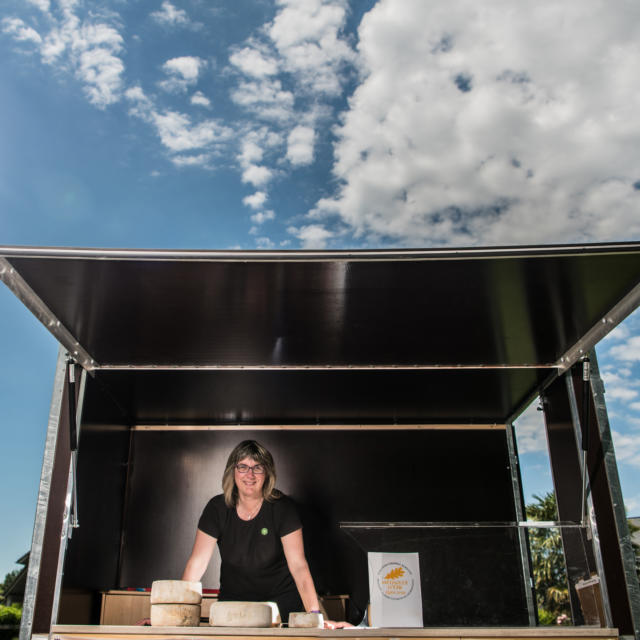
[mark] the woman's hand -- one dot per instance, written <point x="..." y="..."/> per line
<point x="293" y="548"/>
<point x="200" y="555"/>
<point x="331" y="624"/>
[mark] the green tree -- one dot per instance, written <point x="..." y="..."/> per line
<point x="549" y="570"/>
<point x="636" y="547"/>
<point x="6" y="583"/>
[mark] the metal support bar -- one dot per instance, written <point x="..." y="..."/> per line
<point x="581" y="348"/>
<point x="523" y="538"/>
<point x="27" y="296"/>
<point x="524" y="524"/>
<point x="586" y="397"/>
<point x="307" y="255"/>
<point x="33" y="572"/>
<point x="615" y="490"/>
<point x="70" y="518"/>
<point x="593" y="527"/>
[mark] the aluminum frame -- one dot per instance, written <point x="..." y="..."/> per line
<point x="624" y="536"/>
<point x="33" y="572"/>
<point x="525" y="559"/>
<point x="67" y="524"/>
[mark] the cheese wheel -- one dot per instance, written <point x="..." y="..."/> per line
<point x="306" y="620"/>
<point x="276" y="621"/>
<point x="240" y="614"/>
<point x="175" y="615"/>
<point x="176" y="592"/>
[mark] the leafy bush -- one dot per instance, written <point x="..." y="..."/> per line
<point x="552" y="592"/>
<point x="10" y="615"/>
<point x="546" y="617"/>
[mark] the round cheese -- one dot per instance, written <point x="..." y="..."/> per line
<point x="176" y="592"/>
<point x="240" y="614"/>
<point x="175" y="615"/>
<point x="306" y="620"/>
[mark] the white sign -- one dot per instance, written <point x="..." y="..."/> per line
<point x="394" y="590"/>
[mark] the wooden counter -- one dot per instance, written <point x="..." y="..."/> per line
<point x="73" y="632"/>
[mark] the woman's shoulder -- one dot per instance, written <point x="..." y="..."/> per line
<point x="217" y="503"/>
<point x="282" y="502"/>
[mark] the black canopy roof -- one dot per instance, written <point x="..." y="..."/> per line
<point x="431" y="336"/>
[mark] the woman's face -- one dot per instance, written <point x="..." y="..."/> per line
<point x="249" y="483"/>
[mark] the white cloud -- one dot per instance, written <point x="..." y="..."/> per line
<point x="493" y="126"/>
<point x="101" y="72"/>
<point x="254" y="61"/>
<point x="88" y="48"/>
<point x="627" y="447"/>
<point x="20" y="31"/>
<point x="251" y="154"/>
<point x="262" y="216"/>
<point x="300" y="145"/>
<point x="255" y="200"/>
<point x="628" y="351"/>
<point x="251" y="151"/>
<point x="43" y="5"/>
<point x="169" y="15"/>
<point x="632" y="505"/>
<point x="264" y="243"/>
<point x="265" y="98"/>
<point x="621" y="393"/>
<point x="257" y="175"/>
<point x="198" y="98"/>
<point x="307" y="36"/>
<point x="312" y="236"/>
<point x="199" y="160"/>
<point x="530" y="431"/>
<point x="177" y="132"/>
<point x="182" y="72"/>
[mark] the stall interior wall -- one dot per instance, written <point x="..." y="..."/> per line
<point x="469" y="577"/>
<point x="93" y="552"/>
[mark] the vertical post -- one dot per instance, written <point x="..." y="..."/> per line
<point x="40" y="575"/>
<point x="618" y="558"/>
<point x="523" y="536"/>
<point x="564" y="456"/>
<point x="70" y="516"/>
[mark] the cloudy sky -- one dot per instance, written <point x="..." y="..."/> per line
<point x="313" y="123"/>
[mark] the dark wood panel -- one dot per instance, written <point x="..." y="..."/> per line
<point x="344" y="476"/>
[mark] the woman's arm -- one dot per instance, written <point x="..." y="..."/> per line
<point x="294" y="553"/>
<point x="200" y="555"/>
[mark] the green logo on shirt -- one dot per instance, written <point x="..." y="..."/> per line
<point x="264" y="531"/>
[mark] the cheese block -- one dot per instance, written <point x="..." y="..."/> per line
<point x="176" y="592"/>
<point x="175" y="615"/>
<point x="306" y="620"/>
<point x="276" y="621"/>
<point x="240" y="614"/>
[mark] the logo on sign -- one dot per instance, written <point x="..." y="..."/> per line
<point x="395" y="581"/>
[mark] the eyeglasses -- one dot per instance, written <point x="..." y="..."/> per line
<point x="257" y="469"/>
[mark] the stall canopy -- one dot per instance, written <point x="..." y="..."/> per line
<point x="459" y="336"/>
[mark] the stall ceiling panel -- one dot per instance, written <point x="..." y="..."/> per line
<point x="189" y="397"/>
<point x="460" y="308"/>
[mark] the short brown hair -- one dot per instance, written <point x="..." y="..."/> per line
<point x="255" y="451"/>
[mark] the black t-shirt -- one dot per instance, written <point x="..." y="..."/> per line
<point x="253" y="567"/>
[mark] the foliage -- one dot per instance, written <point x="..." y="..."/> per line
<point x="10" y="615"/>
<point x="545" y="617"/>
<point x="636" y="547"/>
<point x="549" y="571"/>
<point x="8" y="579"/>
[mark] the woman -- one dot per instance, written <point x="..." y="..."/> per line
<point x="259" y="534"/>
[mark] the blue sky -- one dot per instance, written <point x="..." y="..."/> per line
<point x="304" y="124"/>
